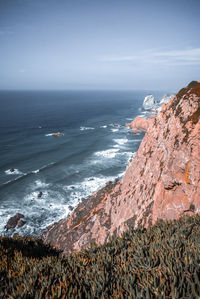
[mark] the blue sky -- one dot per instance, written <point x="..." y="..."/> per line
<point x="97" y="44"/>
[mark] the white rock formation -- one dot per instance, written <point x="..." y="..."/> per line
<point x="149" y="102"/>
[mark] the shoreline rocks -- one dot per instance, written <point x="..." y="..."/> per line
<point x="139" y="124"/>
<point x="161" y="182"/>
<point x="15" y="221"/>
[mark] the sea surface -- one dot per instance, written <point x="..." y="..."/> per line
<point x="94" y="148"/>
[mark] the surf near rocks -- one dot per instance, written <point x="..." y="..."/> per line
<point x="162" y="181"/>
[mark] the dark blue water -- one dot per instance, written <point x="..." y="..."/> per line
<point x="95" y="147"/>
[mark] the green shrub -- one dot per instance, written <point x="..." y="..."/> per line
<point x="160" y="262"/>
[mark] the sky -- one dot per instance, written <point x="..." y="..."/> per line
<point x="99" y="44"/>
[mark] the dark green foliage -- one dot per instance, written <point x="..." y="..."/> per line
<point x="160" y="262"/>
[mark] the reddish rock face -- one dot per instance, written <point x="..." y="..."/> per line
<point x="163" y="180"/>
<point x="139" y="124"/>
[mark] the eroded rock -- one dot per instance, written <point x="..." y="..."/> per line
<point x="162" y="181"/>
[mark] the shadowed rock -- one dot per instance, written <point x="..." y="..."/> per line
<point x="13" y="221"/>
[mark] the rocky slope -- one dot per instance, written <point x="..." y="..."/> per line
<point x="163" y="180"/>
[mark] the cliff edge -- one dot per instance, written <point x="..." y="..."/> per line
<point x="162" y="182"/>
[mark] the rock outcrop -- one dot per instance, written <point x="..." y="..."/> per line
<point x="162" y="181"/>
<point x="139" y="124"/>
<point x="15" y="221"/>
<point x="149" y="102"/>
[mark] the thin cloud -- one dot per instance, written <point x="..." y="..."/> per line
<point x="173" y="57"/>
<point x="5" y="31"/>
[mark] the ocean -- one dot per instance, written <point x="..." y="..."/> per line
<point x="94" y="148"/>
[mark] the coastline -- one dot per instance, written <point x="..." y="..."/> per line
<point x="158" y="183"/>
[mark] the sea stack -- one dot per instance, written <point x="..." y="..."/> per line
<point x="161" y="182"/>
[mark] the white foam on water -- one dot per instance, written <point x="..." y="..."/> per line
<point x="40" y="184"/>
<point x="50" y="134"/>
<point x="35" y="171"/>
<point x="104" y="127"/>
<point x="115" y="125"/>
<point x="109" y="154"/>
<point x="121" y="141"/>
<point x="33" y="196"/>
<point x="114" y="130"/>
<point x="130" y="155"/>
<point x="16" y="171"/>
<point x="87" y="187"/>
<point x="135" y="140"/>
<point x="38" y="170"/>
<point x="86" y="128"/>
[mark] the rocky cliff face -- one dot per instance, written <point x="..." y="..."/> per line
<point x="163" y="180"/>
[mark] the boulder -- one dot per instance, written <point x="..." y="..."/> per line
<point x="20" y="223"/>
<point x="13" y="221"/>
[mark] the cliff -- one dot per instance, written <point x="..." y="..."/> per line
<point x="163" y="180"/>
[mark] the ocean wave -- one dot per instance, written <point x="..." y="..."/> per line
<point x="25" y="175"/>
<point x="40" y="184"/>
<point x="110" y="153"/>
<point x="36" y="171"/>
<point x="15" y="171"/>
<point x="54" y="134"/>
<point x="104" y="127"/>
<point x="121" y="141"/>
<point x="135" y="140"/>
<point x="130" y="155"/>
<point x="114" y="130"/>
<point x="115" y="125"/>
<point x="87" y="186"/>
<point x="43" y="167"/>
<point x="86" y="128"/>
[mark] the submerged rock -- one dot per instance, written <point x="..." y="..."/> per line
<point x="161" y="182"/>
<point x="40" y="194"/>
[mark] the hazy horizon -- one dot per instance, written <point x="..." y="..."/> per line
<point x="99" y="45"/>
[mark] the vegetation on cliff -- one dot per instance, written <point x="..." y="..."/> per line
<point x="162" y="261"/>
